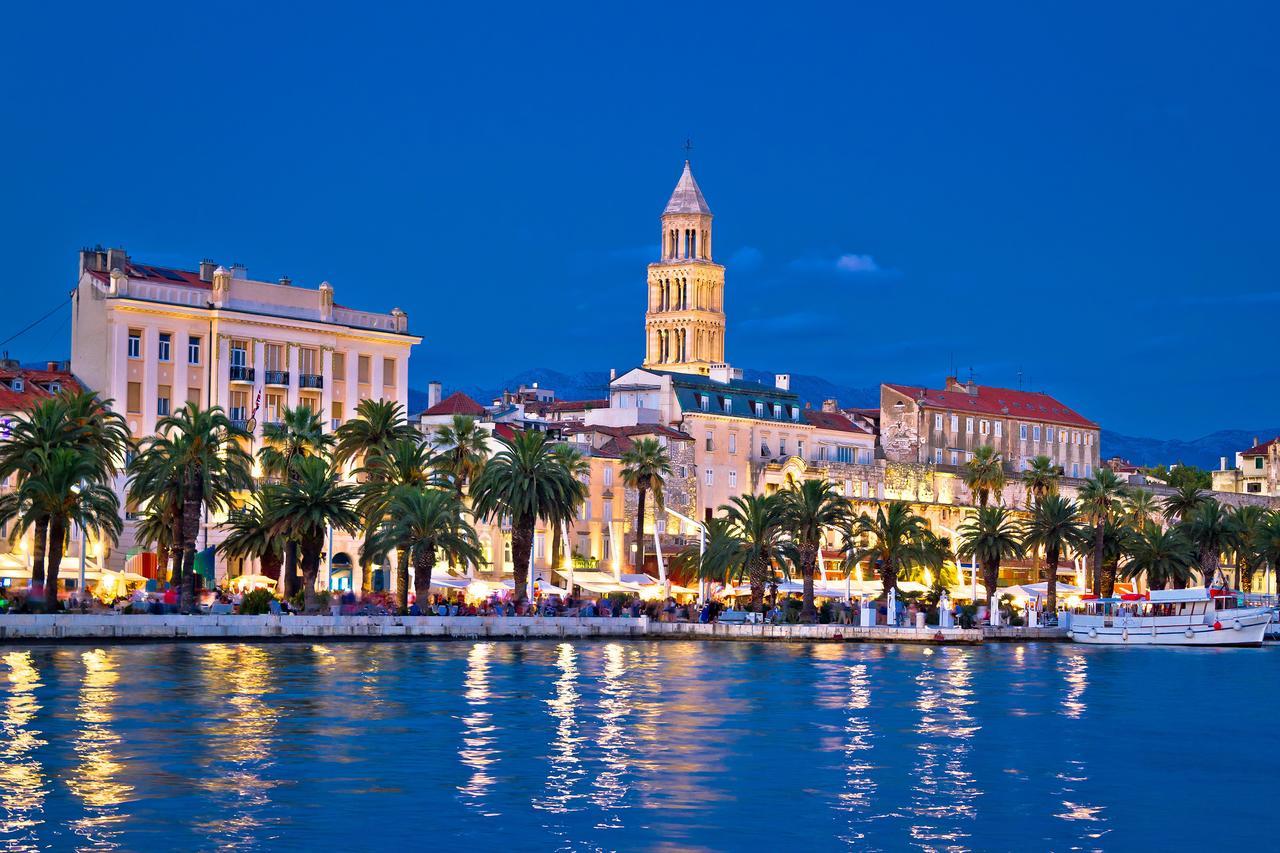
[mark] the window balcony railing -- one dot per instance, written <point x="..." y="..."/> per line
<point x="275" y="377"/>
<point x="241" y="373"/>
<point x="335" y="423"/>
<point x="240" y="423"/>
<point x="310" y="380"/>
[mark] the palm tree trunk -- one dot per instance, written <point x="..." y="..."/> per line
<point x="311" y="548"/>
<point x="41" y="537"/>
<point x="808" y="567"/>
<point x="991" y="575"/>
<point x="366" y="576"/>
<point x="1051" y="584"/>
<point x="191" y="505"/>
<point x="424" y="560"/>
<point x="1208" y="566"/>
<point x="888" y="581"/>
<point x="1109" y="578"/>
<point x="640" y="530"/>
<point x="271" y="565"/>
<point x="175" y="550"/>
<point x="57" y="540"/>
<point x="1098" y="534"/>
<point x="1244" y="575"/>
<point x="521" y="545"/>
<point x="289" y="582"/>
<point x="556" y="532"/>
<point x="402" y="580"/>
<point x="756" y="577"/>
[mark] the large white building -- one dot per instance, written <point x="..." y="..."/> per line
<point x="153" y="338"/>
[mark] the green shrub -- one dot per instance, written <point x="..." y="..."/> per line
<point x="256" y="602"/>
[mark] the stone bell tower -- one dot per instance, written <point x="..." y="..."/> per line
<point x="684" y="325"/>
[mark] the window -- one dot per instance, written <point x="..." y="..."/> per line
<point x="1088" y="439"/>
<point x="133" y="400"/>
<point x="800" y="449"/>
<point x="389" y="372"/>
<point x="984" y="426"/>
<point x="193" y="349"/>
<point x="335" y="414"/>
<point x="759" y="407"/>
<point x="608" y="511"/>
<point x="999" y="429"/>
<point x="1022" y="431"/>
<point x="1063" y="436"/>
<point x="162" y="400"/>
<point x="18" y="384"/>
<point x="704" y="402"/>
<point x="955" y="458"/>
<point x="1075" y="469"/>
<point x="239" y="354"/>
<point x="968" y="425"/>
<point x="340" y="366"/>
<point x="764" y="448"/>
<point x="308" y="361"/>
<point x="710" y="477"/>
<point x="937" y="456"/>
<point x="1257" y="463"/>
<point x="955" y="423"/>
<point x="733" y="479"/>
<point x="1035" y="432"/>
<point x="782" y="446"/>
<point x="608" y="476"/>
<point x="239" y="405"/>
<point x="795" y="413"/>
<point x="848" y="488"/>
<point x="135" y="343"/>
<point x="681" y="472"/>
<point x="1088" y="470"/>
<point x="728" y="406"/>
<point x="844" y="453"/>
<point x="733" y="442"/>
<point x="1253" y="487"/>
<point x="937" y="423"/>
<point x="162" y="351"/>
<point x="362" y="370"/>
<point x="1048" y="434"/>
<point x="711" y="445"/>
<point x="864" y="456"/>
<point x="1075" y="438"/>
<point x="274" y="354"/>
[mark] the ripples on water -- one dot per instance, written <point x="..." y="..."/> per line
<point x="621" y="745"/>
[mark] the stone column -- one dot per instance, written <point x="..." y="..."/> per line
<point x="291" y="357"/>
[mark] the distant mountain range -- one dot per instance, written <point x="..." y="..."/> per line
<point x="593" y="384"/>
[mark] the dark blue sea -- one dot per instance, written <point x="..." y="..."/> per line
<point x="636" y="746"/>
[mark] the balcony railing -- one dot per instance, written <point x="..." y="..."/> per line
<point x="310" y="380"/>
<point x="240" y="423"/>
<point x="275" y="377"/>
<point x="335" y="423"/>
<point x="241" y="373"/>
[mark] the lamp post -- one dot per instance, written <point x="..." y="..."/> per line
<point x="702" y="549"/>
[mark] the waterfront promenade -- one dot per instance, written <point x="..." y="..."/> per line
<point x="143" y="628"/>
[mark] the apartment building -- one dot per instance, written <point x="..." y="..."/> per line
<point x="944" y="426"/>
<point x="1256" y="472"/>
<point x="153" y="338"/>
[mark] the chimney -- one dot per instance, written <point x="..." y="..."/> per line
<point x="433" y="393"/>
<point x="721" y="373"/>
<point x="1255" y="442"/>
<point x="94" y="259"/>
<point x="829" y="406"/>
<point x="117" y="259"/>
<point x="206" y="269"/>
<point x="285" y="281"/>
<point x="239" y="271"/>
<point x="1222" y="463"/>
<point x="952" y="384"/>
<point x="971" y="388"/>
<point x="782" y="380"/>
<point x="613" y="373"/>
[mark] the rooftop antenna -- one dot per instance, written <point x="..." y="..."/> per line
<point x="688" y="147"/>
<point x="1019" y="378"/>
<point x="972" y="375"/>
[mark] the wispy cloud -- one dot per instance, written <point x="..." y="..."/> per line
<point x="845" y="264"/>
<point x="746" y="259"/>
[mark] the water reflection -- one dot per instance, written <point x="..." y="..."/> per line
<point x="479" y="751"/>
<point x="944" y="801"/>
<point x="566" y="763"/>
<point x="95" y="777"/>
<point x="616" y="741"/>
<point x="1074" y="778"/>
<point x="241" y="745"/>
<point x="859" y="781"/>
<point x="22" y="781"/>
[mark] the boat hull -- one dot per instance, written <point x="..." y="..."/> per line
<point x="1245" y="629"/>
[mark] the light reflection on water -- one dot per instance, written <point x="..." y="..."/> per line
<point x="619" y="745"/>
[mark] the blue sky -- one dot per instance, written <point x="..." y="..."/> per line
<point x="1083" y="192"/>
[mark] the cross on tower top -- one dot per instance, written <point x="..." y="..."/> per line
<point x="688" y="146"/>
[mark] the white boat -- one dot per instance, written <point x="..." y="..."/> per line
<point x="1171" y="617"/>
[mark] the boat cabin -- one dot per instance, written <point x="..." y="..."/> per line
<point x="1191" y="602"/>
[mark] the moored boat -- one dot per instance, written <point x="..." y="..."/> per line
<point x="1171" y="617"/>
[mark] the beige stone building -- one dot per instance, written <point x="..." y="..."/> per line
<point x="1256" y="472"/>
<point x="153" y="338"/>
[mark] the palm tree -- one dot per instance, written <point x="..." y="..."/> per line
<point x="155" y="527"/>
<point x="1182" y="503"/>
<point x="1267" y="544"/>
<point x="523" y="482"/>
<point x="1165" y="557"/>
<point x="1247" y="527"/>
<point x="1211" y="530"/>
<point x="250" y="535"/>
<point x="80" y="421"/>
<point x="155" y="484"/>
<point x="1055" y="525"/>
<point x="298" y="435"/>
<point x="1116" y="536"/>
<point x="403" y="462"/>
<point x="757" y="527"/>
<point x="1141" y="508"/>
<point x="577" y="464"/>
<point x="310" y="501"/>
<point x="984" y="474"/>
<point x="462" y="448"/>
<point x="1102" y="495"/>
<point x="376" y="425"/>
<point x="990" y="536"/>
<point x="645" y="466"/>
<point x="1040" y="479"/>
<point x="811" y="508"/>
<point x="896" y="538"/>
<point x="205" y="448"/>
<point x="430" y="523"/>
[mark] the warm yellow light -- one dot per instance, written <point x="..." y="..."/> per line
<point x="857" y="574"/>
<point x="928" y="578"/>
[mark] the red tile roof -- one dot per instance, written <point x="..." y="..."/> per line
<point x="34" y="382"/>
<point x="997" y="401"/>
<point x="620" y="438"/>
<point x="562" y="406"/>
<point x="457" y="403"/>
<point x="832" y="420"/>
<point x="163" y="275"/>
<point x="1261" y="449"/>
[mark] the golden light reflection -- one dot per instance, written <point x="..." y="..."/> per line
<point x="22" y="785"/>
<point x="241" y="748"/>
<point x="859" y="773"/>
<point x="479" y="751"/>
<point x="94" y="779"/>
<point x="944" y="802"/>
<point x="615" y="739"/>
<point x="1073" y="776"/>
<point x="566" y="764"/>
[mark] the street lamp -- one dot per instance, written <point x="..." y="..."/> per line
<point x="702" y="549"/>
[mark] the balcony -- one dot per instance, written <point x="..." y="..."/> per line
<point x="275" y="377"/>
<point x="334" y="423"/>
<point x="310" y="380"/>
<point x="241" y="373"/>
<point x="239" y="423"/>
